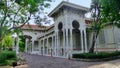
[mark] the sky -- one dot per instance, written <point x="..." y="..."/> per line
<point x="85" y="3"/>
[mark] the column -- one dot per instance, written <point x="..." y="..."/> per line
<point x="57" y="45"/>
<point x="13" y="43"/>
<point x="39" y="45"/>
<point x="85" y="41"/>
<point x="67" y="49"/>
<point x="71" y="43"/>
<point x="26" y="40"/>
<point x="64" y="41"/>
<point x="43" y="46"/>
<point x="17" y="46"/>
<point x="52" y="46"/>
<point x="81" y="40"/>
<point x="47" y="46"/>
<point x="32" y="46"/>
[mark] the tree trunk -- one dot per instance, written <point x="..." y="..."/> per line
<point x="0" y="45"/>
<point x="93" y="44"/>
<point x="95" y="34"/>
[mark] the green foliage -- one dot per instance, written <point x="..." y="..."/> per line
<point x="9" y="54"/>
<point x="22" y="43"/>
<point x="16" y="13"/>
<point x="111" y="11"/>
<point x="2" y="59"/>
<point x="98" y="55"/>
<point x="6" y="57"/>
<point x="7" y="41"/>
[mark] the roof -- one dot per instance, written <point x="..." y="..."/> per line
<point x="64" y="3"/>
<point x="35" y="27"/>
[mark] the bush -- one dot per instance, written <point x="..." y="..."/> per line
<point x="99" y="55"/>
<point x="2" y="59"/>
<point x="9" y="55"/>
<point x="5" y="56"/>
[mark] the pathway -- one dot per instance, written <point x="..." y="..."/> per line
<point x="37" y="61"/>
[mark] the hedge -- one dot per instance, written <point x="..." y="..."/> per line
<point x="6" y="56"/>
<point x="98" y="55"/>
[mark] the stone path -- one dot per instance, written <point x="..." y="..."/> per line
<point x="37" y="61"/>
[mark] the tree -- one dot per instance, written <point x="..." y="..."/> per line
<point x="111" y="11"/>
<point x="97" y="23"/>
<point x="16" y="13"/>
<point x="7" y="42"/>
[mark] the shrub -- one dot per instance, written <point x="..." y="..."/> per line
<point x="5" y="56"/>
<point x="2" y="59"/>
<point x="99" y="55"/>
<point x="9" y="55"/>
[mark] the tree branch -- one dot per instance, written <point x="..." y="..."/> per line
<point x="5" y="14"/>
<point x="17" y="26"/>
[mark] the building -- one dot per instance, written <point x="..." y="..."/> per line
<point x="69" y="34"/>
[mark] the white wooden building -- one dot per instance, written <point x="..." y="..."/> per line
<point x="69" y="34"/>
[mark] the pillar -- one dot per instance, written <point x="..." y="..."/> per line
<point x="32" y="46"/>
<point x="17" y="46"/>
<point x="71" y="43"/>
<point x="52" y="51"/>
<point x="57" y="45"/>
<point x="67" y="48"/>
<point x="39" y="46"/>
<point x="47" y="46"/>
<point x="81" y="39"/>
<point x="85" y="41"/>
<point x="13" y="43"/>
<point x="43" y="46"/>
<point x="26" y="45"/>
<point x="64" y="41"/>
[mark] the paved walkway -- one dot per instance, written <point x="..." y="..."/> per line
<point x="37" y="61"/>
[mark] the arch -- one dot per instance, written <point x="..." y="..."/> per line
<point x="75" y="24"/>
<point x="60" y="26"/>
<point x="28" y="36"/>
<point x="76" y="39"/>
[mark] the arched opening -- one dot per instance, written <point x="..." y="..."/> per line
<point x="60" y="26"/>
<point x="36" y="46"/>
<point x="75" y="24"/>
<point x="26" y="43"/>
<point x="76" y="39"/>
